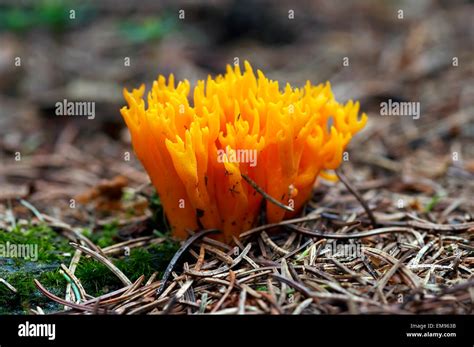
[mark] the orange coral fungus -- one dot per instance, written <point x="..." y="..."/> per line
<point x="200" y="155"/>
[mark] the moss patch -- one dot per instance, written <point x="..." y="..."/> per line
<point x="103" y="237"/>
<point x="53" y="250"/>
<point x="20" y="272"/>
<point x="97" y="279"/>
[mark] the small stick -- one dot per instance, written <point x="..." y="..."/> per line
<point x="399" y="263"/>
<point x="75" y="280"/>
<point x="362" y="234"/>
<point x="32" y="209"/>
<point x="104" y="261"/>
<point x="178" y="255"/>
<point x="211" y="273"/>
<point x="151" y="279"/>
<point x="9" y="286"/>
<point x="242" y="299"/>
<point x="200" y="261"/>
<point x="75" y="290"/>
<point x="354" y="192"/>
<point x="66" y="303"/>
<point x="227" y="292"/>
<point x="285" y="222"/>
<point x="302" y="306"/>
<point x="72" y="269"/>
<point x="299" y="287"/>
<point x="272" y="244"/>
<point x="265" y="195"/>
<point x="175" y="299"/>
<point x="134" y="286"/>
<point x="354" y="274"/>
<point x="219" y="254"/>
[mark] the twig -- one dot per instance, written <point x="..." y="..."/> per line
<point x="265" y="195"/>
<point x="307" y="218"/>
<point x="354" y="192"/>
<point x="302" y="289"/>
<point x="178" y="255"/>
<point x="242" y="300"/>
<point x="227" y="292"/>
<point x="104" y="261"/>
<point x="350" y="236"/>
<point x="383" y="281"/>
<point x="8" y="285"/>
<point x="32" y="209"/>
<point x="175" y="298"/>
<point x="272" y="244"/>
<point x="67" y="303"/>
<point x="300" y="308"/>
<point x="75" y="281"/>
<point x="72" y="269"/>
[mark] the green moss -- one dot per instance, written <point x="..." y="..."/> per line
<point x="19" y="272"/>
<point x="28" y="296"/>
<point x="105" y="237"/>
<point x="433" y="202"/>
<point x="147" y="29"/>
<point x="51" y="14"/>
<point x="51" y="245"/>
<point x="146" y="261"/>
<point x="95" y="277"/>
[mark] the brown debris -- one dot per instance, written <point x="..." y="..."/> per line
<point x="106" y="195"/>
